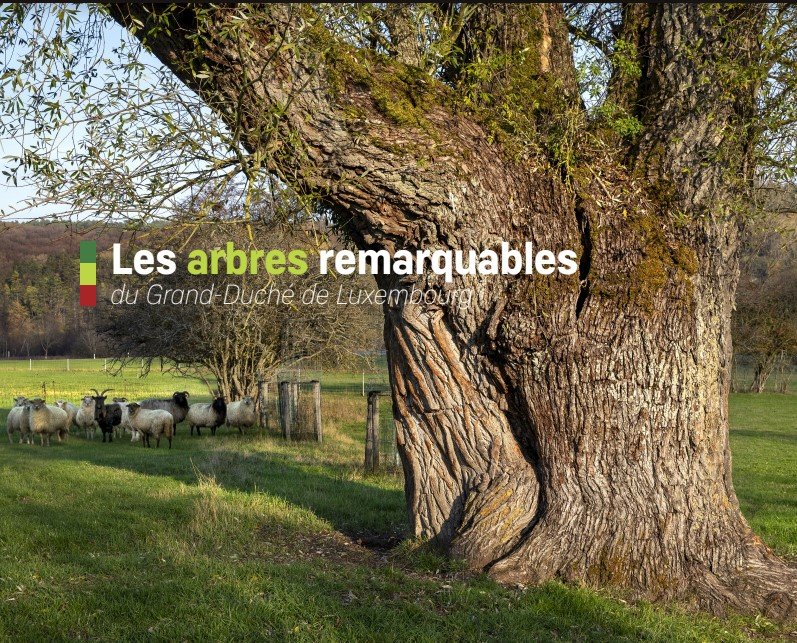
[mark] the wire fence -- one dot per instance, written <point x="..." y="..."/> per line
<point x="289" y="407"/>
<point x="343" y="393"/>
<point x="62" y="364"/>
<point x="388" y="449"/>
<point x="71" y="379"/>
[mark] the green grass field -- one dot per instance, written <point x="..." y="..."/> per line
<point x="246" y="538"/>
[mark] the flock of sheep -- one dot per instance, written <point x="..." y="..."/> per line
<point x="144" y="420"/>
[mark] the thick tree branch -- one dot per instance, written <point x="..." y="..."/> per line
<point x="560" y="426"/>
<point x="320" y="112"/>
<point x="690" y="74"/>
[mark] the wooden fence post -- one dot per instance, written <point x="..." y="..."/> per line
<point x="318" y="428"/>
<point x="396" y="456"/>
<point x="262" y="400"/>
<point x="372" y="432"/>
<point x="264" y="410"/>
<point x="296" y="430"/>
<point x="286" y="408"/>
<point x="259" y="400"/>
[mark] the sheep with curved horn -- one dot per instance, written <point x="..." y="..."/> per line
<point x="107" y="416"/>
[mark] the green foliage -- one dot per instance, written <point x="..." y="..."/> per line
<point x="142" y="138"/>
<point x="618" y="120"/>
<point x="137" y="136"/>
<point x="625" y="59"/>
<point x="402" y="93"/>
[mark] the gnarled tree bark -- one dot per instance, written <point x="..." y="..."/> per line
<point x="559" y="427"/>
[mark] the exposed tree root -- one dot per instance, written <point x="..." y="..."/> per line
<point x="749" y="579"/>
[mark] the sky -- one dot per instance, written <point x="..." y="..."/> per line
<point x="12" y="197"/>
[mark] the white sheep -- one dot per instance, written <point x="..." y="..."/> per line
<point x="19" y="420"/>
<point x="13" y="415"/>
<point x="120" y="429"/>
<point x="151" y="423"/>
<point x="71" y="411"/>
<point x="241" y="413"/>
<point x="211" y="415"/>
<point x="177" y="405"/>
<point x="84" y="418"/>
<point x="47" y="420"/>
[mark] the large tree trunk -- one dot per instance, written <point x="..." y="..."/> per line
<point x="542" y="440"/>
<point x="559" y="427"/>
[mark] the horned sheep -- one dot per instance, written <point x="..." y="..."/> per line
<point x="107" y="416"/>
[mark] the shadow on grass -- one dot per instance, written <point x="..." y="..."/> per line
<point x="90" y="551"/>
<point x="108" y="586"/>
<point x="356" y="508"/>
<point x="86" y="546"/>
<point x="765" y="435"/>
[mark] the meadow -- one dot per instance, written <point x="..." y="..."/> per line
<point x="251" y="538"/>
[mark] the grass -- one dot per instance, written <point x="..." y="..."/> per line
<point x="783" y="378"/>
<point x="51" y="379"/>
<point x="244" y="538"/>
<point x="764" y="448"/>
<point x="72" y="379"/>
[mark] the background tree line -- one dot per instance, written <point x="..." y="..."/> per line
<point x="39" y="311"/>
<point x="40" y="315"/>
<point x="765" y="320"/>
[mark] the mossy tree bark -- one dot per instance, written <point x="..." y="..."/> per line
<point x="559" y="427"/>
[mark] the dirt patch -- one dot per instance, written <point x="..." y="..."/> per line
<point x="288" y="545"/>
<point x="378" y="543"/>
<point x="284" y="545"/>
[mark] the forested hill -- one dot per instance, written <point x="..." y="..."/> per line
<point x="39" y="312"/>
<point x="21" y="242"/>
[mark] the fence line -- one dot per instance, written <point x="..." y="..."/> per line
<point x="336" y="393"/>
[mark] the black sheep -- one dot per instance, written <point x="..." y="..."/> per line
<point x="219" y="407"/>
<point x="106" y="415"/>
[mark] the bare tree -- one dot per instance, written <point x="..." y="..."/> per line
<point x="20" y="328"/>
<point x="49" y="314"/>
<point x="230" y="346"/>
<point x="88" y="334"/>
